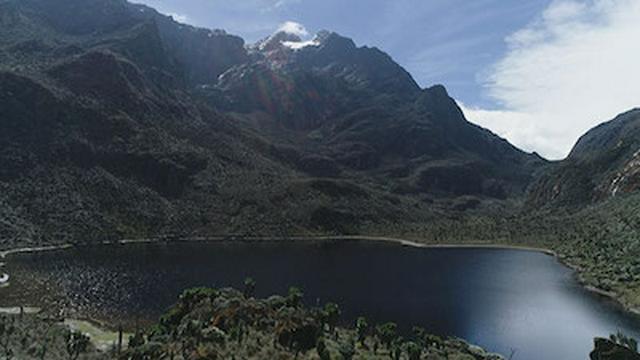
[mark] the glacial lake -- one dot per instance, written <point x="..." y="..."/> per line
<point x="500" y="299"/>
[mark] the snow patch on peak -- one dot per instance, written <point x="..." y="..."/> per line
<point x="297" y="45"/>
<point x="276" y="40"/>
<point x="317" y="40"/>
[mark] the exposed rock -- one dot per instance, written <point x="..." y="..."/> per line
<point x="605" y="349"/>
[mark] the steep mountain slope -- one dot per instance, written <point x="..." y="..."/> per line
<point x="198" y="55"/>
<point x="587" y="208"/>
<point x="353" y="110"/>
<point x="120" y="122"/>
<point x="303" y="87"/>
<point x="604" y="163"/>
<point x="100" y="139"/>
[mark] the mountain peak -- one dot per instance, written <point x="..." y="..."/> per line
<point x="330" y="38"/>
<point x="438" y="90"/>
<point x="289" y="38"/>
<point x="276" y="41"/>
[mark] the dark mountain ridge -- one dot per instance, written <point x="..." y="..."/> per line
<point x="358" y="110"/>
<point x="120" y="122"/>
<point x="604" y="164"/>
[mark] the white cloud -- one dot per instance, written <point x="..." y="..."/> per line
<point x="577" y="65"/>
<point x="181" y="18"/>
<point x="294" y="28"/>
<point x="283" y="3"/>
<point x="521" y="129"/>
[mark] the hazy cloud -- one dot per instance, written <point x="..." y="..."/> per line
<point x="575" y="66"/>
<point x="283" y="3"/>
<point x="294" y="28"/>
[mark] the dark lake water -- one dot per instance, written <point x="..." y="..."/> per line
<point x="499" y="299"/>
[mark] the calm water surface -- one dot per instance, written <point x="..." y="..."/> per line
<point x="499" y="299"/>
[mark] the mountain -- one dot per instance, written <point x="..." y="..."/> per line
<point x="198" y="55"/>
<point x="100" y="136"/>
<point x="604" y="164"/>
<point x="304" y="84"/>
<point x="348" y="109"/>
<point x="121" y="122"/>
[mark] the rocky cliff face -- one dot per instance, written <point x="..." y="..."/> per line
<point x="604" y="164"/>
<point x="305" y="84"/>
<point x="351" y="108"/>
<point x="198" y="55"/>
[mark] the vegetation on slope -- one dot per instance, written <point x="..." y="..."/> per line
<point x="109" y="131"/>
<point x="228" y="324"/>
<point x="26" y="337"/>
<point x="106" y="134"/>
<point x="617" y="347"/>
<point x="600" y="241"/>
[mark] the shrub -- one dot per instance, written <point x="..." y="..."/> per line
<point x="387" y="333"/>
<point x="77" y="343"/>
<point x="331" y="315"/>
<point x="362" y="327"/>
<point x="294" y="299"/>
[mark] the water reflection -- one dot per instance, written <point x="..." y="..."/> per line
<point x="500" y="299"/>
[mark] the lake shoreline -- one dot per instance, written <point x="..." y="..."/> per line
<point x="257" y="239"/>
<point x="320" y="239"/>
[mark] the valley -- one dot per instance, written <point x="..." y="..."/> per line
<point x="122" y="123"/>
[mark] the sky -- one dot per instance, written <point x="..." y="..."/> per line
<point x="537" y="72"/>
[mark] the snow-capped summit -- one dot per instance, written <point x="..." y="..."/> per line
<point x="289" y="36"/>
<point x="275" y="41"/>
<point x="297" y="45"/>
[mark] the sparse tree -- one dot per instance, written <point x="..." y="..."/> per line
<point x="396" y="348"/>
<point x="413" y="350"/>
<point x="42" y="349"/>
<point x="331" y="315"/>
<point x="249" y="287"/>
<point x="136" y="340"/>
<point x="362" y="327"/>
<point x="419" y="335"/>
<point x="621" y="339"/>
<point x="321" y="348"/>
<point x="295" y="296"/>
<point x="347" y="349"/>
<point x="76" y="343"/>
<point x="7" y="332"/>
<point x="387" y="333"/>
